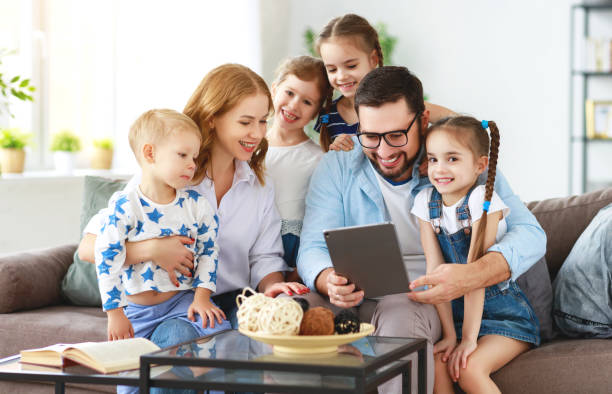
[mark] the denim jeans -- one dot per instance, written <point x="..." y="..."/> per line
<point x="168" y="333"/>
<point x="174" y="331"/>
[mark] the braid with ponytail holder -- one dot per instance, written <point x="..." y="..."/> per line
<point x="493" y="155"/>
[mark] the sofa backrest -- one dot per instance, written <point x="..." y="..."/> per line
<point x="564" y="219"/>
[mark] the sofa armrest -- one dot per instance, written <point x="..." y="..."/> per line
<point x="32" y="280"/>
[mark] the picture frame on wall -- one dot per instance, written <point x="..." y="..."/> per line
<point x="598" y="119"/>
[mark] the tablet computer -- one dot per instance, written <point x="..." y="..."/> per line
<point x="370" y="257"/>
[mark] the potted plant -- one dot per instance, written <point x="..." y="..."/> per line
<point x="64" y="145"/>
<point x="102" y="156"/>
<point x="12" y="153"/>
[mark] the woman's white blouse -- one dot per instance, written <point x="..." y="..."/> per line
<point x="249" y="239"/>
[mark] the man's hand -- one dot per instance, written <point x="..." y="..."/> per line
<point x="342" y="142"/>
<point x="119" y="326"/>
<point x="445" y="283"/>
<point x="341" y="293"/>
<point x="171" y="254"/>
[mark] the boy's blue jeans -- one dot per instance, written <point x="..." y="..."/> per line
<point x="174" y="331"/>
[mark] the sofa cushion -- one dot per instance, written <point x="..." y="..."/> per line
<point x="583" y="287"/>
<point x="80" y="285"/>
<point x="560" y="366"/>
<point x="536" y="285"/>
<point x="46" y="326"/>
<point x="564" y="219"/>
<point x="32" y="279"/>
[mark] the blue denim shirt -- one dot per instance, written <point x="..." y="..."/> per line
<point x="344" y="192"/>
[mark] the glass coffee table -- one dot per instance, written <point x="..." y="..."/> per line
<point x="229" y="361"/>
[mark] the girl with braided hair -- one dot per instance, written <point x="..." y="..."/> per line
<point x="350" y="49"/>
<point x="486" y="328"/>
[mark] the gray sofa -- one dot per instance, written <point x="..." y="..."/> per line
<point x="33" y="313"/>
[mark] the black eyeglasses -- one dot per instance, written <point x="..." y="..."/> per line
<point x="396" y="138"/>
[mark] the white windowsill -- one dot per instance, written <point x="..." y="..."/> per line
<point x="77" y="173"/>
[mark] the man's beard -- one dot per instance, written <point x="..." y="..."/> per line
<point x="398" y="173"/>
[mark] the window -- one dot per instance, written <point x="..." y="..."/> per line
<point x="99" y="64"/>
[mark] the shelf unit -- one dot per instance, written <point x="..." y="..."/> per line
<point x="583" y="77"/>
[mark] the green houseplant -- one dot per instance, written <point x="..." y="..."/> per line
<point x="64" y="146"/>
<point x="13" y="86"/>
<point x="12" y="153"/>
<point x="102" y="156"/>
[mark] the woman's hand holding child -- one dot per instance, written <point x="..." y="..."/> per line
<point x="119" y="326"/>
<point x="203" y="306"/>
<point x="171" y="254"/>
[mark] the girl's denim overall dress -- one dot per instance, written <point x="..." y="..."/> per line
<point x="506" y="312"/>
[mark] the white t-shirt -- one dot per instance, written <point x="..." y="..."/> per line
<point x="448" y="221"/>
<point x="398" y="201"/>
<point x="290" y="169"/>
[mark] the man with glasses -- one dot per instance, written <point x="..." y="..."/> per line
<point x="377" y="183"/>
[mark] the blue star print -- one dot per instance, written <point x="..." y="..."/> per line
<point x="147" y="275"/>
<point x="155" y="288"/>
<point x="193" y="194"/>
<point x="144" y="203"/>
<point x="208" y="247"/>
<point x="184" y="230"/>
<point x="109" y="304"/>
<point x="197" y="281"/>
<point x="155" y="215"/>
<point x="180" y="201"/>
<point x="139" y="227"/>
<point x="109" y="254"/>
<point x="181" y="279"/>
<point x="114" y="293"/>
<point x="165" y="232"/>
<point x="116" y="246"/>
<point x="127" y="229"/>
<point x="129" y="272"/>
<point x="112" y="220"/>
<point x="119" y="203"/>
<point x="203" y="229"/>
<point x="103" y="268"/>
<point x="213" y="277"/>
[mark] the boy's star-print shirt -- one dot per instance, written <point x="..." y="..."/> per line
<point x="130" y="216"/>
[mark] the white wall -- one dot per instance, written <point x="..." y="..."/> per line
<point x="39" y="212"/>
<point x="506" y="61"/>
